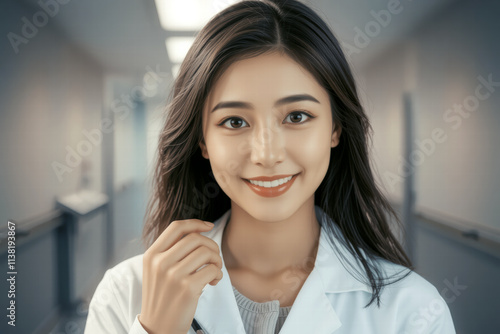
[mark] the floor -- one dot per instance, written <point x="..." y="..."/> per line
<point x="73" y="323"/>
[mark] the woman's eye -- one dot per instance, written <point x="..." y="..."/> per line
<point x="233" y="123"/>
<point x="298" y="117"/>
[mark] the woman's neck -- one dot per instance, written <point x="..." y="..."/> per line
<point x="269" y="248"/>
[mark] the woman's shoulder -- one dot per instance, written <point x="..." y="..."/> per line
<point x="116" y="301"/>
<point x="417" y="299"/>
<point x="404" y="281"/>
<point x="131" y="267"/>
<point x="123" y="281"/>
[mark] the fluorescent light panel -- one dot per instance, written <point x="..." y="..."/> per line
<point x="177" y="48"/>
<point x="188" y="14"/>
<point x="175" y="70"/>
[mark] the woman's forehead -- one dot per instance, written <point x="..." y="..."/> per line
<point x="264" y="77"/>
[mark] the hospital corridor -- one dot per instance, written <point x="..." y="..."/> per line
<point x="85" y="91"/>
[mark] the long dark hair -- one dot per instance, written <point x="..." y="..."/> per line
<point x="184" y="185"/>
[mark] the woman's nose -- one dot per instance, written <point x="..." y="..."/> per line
<point x="267" y="147"/>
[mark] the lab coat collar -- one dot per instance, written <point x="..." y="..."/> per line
<point x="312" y="312"/>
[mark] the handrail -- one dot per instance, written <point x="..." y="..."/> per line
<point x="477" y="236"/>
<point x="31" y="228"/>
<point x="481" y="237"/>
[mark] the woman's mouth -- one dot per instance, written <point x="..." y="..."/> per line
<point x="272" y="188"/>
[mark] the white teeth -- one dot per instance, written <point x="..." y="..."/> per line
<point x="270" y="184"/>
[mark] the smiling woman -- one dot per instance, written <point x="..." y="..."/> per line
<point x="265" y="136"/>
<point x="276" y="109"/>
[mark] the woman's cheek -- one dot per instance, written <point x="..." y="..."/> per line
<point x="310" y="146"/>
<point x="312" y="153"/>
<point x="225" y="161"/>
<point x="243" y="147"/>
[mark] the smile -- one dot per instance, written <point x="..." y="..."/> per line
<point x="271" y="188"/>
<point x="271" y="184"/>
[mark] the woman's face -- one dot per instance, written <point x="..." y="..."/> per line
<point x="268" y="117"/>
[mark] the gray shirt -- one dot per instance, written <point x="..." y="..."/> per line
<point x="261" y="318"/>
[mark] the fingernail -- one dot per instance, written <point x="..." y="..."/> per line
<point x="209" y="224"/>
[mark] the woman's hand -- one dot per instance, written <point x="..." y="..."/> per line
<point x="171" y="283"/>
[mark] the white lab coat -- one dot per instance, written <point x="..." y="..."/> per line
<point x="330" y="300"/>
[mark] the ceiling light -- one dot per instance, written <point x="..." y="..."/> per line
<point x="175" y="70"/>
<point x="177" y="48"/>
<point x="188" y="14"/>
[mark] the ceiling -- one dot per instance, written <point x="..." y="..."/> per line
<point x="125" y="36"/>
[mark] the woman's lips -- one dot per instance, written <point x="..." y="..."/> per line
<point x="269" y="178"/>
<point x="272" y="191"/>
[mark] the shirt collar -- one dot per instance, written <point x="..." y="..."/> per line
<point x="328" y="261"/>
<point x="217" y="311"/>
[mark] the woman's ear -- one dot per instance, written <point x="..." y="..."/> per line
<point x="337" y="130"/>
<point x="203" y="148"/>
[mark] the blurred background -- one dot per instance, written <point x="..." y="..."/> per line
<point x="83" y="85"/>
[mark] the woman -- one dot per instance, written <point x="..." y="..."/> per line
<point x="265" y="136"/>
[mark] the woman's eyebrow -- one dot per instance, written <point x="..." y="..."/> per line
<point x="247" y="105"/>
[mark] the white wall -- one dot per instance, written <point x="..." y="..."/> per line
<point x="440" y="64"/>
<point x="49" y="93"/>
<point x="381" y="89"/>
<point x="135" y="136"/>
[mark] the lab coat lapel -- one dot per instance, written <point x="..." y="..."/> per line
<point x="312" y="311"/>
<point x="217" y="311"/>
